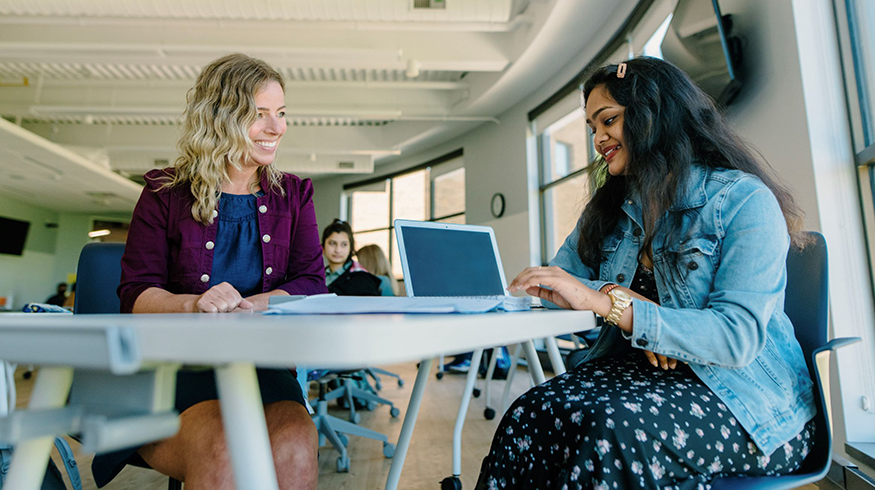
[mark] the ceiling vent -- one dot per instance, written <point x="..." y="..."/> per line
<point x="430" y="4"/>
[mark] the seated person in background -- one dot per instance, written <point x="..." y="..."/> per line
<point x="60" y="295"/>
<point x="71" y="300"/>
<point x="683" y="250"/>
<point x="344" y="276"/>
<point x="374" y="260"/>
<point x="222" y="231"/>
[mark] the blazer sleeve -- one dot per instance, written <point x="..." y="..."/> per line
<point x="306" y="271"/>
<point x="146" y="257"/>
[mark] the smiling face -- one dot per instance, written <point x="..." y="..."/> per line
<point x="336" y="249"/>
<point x="604" y="116"/>
<point x="269" y="126"/>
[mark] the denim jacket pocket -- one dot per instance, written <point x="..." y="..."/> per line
<point x="777" y="369"/>
<point x="693" y="269"/>
<point x="609" y="252"/>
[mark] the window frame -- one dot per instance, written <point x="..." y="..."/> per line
<point x="434" y="168"/>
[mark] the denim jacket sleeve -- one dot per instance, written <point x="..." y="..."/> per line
<point x="748" y="285"/>
<point x="568" y="259"/>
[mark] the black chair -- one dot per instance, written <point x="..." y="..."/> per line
<point x="98" y="276"/>
<point x="807" y="305"/>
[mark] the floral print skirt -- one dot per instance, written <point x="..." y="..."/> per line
<point x="621" y="423"/>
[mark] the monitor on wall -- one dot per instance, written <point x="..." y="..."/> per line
<point x="707" y="50"/>
<point x="13" y="235"/>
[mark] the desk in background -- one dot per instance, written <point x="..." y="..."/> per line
<point x="235" y="344"/>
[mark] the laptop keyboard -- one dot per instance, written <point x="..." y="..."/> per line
<point x="508" y="303"/>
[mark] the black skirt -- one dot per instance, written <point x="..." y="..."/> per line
<point x="193" y="387"/>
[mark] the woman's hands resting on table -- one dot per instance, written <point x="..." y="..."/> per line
<point x="559" y="287"/>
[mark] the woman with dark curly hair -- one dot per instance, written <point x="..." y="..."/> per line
<point x="697" y="372"/>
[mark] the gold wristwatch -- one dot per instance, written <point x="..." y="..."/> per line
<point x="620" y="300"/>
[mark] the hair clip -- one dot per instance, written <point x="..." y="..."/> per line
<point x="621" y="70"/>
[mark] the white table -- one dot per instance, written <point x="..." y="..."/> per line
<point x="235" y="344"/>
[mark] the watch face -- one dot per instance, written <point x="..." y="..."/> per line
<point x="621" y="295"/>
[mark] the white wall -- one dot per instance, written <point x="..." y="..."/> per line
<point x="28" y="277"/>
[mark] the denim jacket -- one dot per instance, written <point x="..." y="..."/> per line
<point x="721" y="306"/>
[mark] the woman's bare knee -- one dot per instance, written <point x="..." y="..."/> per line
<point x="294" y="441"/>
<point x="198" y="453"/>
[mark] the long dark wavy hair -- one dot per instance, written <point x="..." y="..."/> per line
<point x="668" y="125"/>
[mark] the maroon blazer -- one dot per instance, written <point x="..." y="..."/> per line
<point x="168" y="249"/>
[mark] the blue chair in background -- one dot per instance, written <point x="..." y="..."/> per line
<point x="807" y="305"/>
<point x="98" y="276"/>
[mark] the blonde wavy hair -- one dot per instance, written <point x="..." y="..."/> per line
<point x="372" y="258"/>
<point x="219" y="111"/>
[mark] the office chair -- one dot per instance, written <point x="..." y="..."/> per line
<point x="98" y="276"/>
<point x="351" y="393"/>
<point x="334" y="429"/>
<point x="807" y="305"/>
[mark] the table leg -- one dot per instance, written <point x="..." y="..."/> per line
<point x="555" y="356"/>
<point x="31" y="457"/>
<point x="463" y="411"/>
<point x="409" y="422"/>
<point x="535" y="369"/>
<point x="245" y="427"/>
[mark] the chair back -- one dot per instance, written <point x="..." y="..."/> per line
<point x="807" y="297"/>
<point x="807" y="305"/>
<point x="98" y="277"/>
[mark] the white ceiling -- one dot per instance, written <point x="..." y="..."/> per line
<point x="366" y="80"/>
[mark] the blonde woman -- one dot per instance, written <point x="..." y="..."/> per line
<point x="222" y="231"/>
<point x="372" y="258"/>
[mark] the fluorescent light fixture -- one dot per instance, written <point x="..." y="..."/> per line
<point x="98" y="233"/>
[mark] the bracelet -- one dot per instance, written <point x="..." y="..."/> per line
<point x="607" y="288"/>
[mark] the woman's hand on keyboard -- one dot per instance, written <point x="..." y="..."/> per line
<point x="556" y="286"/>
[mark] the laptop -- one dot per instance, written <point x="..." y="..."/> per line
<point x="444" y="259"/>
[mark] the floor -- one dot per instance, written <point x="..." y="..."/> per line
<point x="429" y="458"/>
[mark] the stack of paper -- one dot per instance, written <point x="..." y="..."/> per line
<point x="330" y="304"/>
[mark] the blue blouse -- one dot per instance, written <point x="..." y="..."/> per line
<point x="237" y="256"/>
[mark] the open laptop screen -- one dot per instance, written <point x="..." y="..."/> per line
<point x="444" y="262"/>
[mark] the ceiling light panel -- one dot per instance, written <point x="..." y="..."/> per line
<point x="314" y="10"/>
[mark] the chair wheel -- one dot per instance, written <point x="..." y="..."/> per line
<point x="489" y="413"/>
<point x="451" y="483"/>
<point x="388" y="450"/>
<point x="372" y="406"/>
<point x="343" y="464"/>
<point x="401" y="382"/>
<point x="476" y="393"/>
<point x="394" y="412"/>
<point x="355" y="417"/>
<point x="439" y="374"/>
<point x="343" y="439"/>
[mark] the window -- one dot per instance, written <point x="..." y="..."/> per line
<point x="858" y="51"/>
<point x="433" y="191"/>
<point x="565" y="150"/>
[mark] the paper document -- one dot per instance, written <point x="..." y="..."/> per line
<point x="330" y="304"/>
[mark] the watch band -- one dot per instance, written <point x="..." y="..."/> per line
<point x="618" y="306"/>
